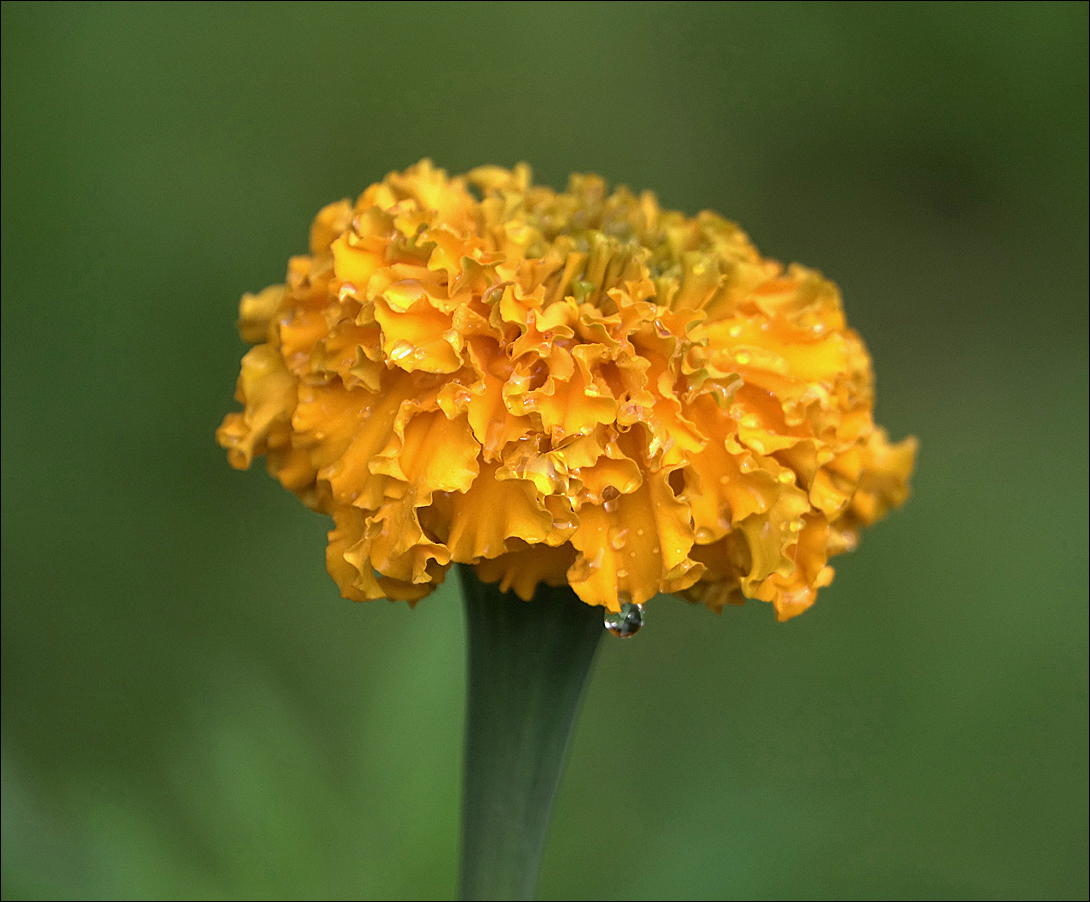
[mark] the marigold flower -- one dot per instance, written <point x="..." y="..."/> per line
<point x="571" y="387"/>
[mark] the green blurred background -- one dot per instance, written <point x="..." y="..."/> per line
<point x="189" y="709"/>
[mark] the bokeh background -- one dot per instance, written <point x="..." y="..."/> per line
<point x="189" y="708"/>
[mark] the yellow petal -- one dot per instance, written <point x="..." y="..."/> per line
<point x="491" y="514"/>
<point x="418" y="336"/>
<point x="521" y="570"/>
<point x="267" y="389"/>
<point x="794" y="592"/>
<point x="633" y="546"/>
<point x="256" y="312"/>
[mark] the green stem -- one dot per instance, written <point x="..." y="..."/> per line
<point x="528" y="663"/>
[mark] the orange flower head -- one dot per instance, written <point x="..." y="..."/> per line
<point x="571" y="387"/>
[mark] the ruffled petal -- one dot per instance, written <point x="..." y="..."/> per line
<point x="633" y="546"/>
<point x="516" y="515"/>
<point x="268" y="390"/>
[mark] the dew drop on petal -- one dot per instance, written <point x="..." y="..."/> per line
<point x="626" y="622"/>
<point x="401" y="349"/>
<point x="743" y="357"/>
<point x="617" y="538"/>
<point x="735" y="330"/>
<point x="495" y="433"/>
<point x="704" y="535"/>
<point x="786" y="476"/>
<point x="724" y="516"/>
<point x="609" y="499"/>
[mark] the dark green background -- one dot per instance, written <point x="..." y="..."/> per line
<point x="190" y="709"/>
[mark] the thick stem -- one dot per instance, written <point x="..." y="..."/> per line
<point x="528" y="663"/>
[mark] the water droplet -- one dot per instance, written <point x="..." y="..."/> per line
<point x="591" y="391"/>
<point x="622" y="573"/>
<point x="495" y="433"/>
<point x="704" y="535"/>
<point x="747" y="465"/>
<point x="743" y="357"/>
<point x="795" y="525"/>
<point x="724" y="516"/>
<point x="617" y="537"/>
<point x="639" y="532"/>
<point x="735" y="330"/>
<point x="420" y="353"/>
<point x="609" y="499"/>
<point x="785" y="477"/>
<point x="401" y="349"/>
<point x="625" y="623"/>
